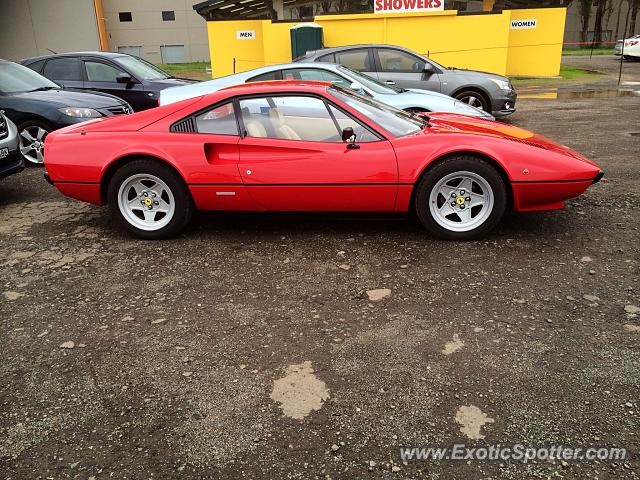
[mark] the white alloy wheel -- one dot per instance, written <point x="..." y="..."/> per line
<point x="146" y="202"/>
<point x="461" y="201"/>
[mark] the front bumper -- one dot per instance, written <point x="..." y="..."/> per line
<point x="13" y="161"/>
<point x="505" y="104"/>
<point x="11" y="164"/>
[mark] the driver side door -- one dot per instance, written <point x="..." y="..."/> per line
<point x="401" y="69"/>
<point x="292" y="158"/>
<point x="103" y="76"/>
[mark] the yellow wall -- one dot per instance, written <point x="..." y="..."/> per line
<point x="480" y="42"/>
<point x="537" y="52"/>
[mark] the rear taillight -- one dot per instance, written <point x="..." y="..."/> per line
<point x="633" y="43"/>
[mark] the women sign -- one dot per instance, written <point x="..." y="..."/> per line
<point x="396" y="6"/>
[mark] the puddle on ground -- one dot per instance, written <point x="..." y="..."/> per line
<point x="555" y="93"/>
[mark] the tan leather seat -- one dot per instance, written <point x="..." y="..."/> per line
<point x="256" y="129"/>
<point x="280" y="127"/>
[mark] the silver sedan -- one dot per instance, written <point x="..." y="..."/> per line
<point x="413" y="100"/>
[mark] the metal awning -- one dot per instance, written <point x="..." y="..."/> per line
<point x="212" y="10"/>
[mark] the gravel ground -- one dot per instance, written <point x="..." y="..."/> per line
<point x="263" y="346"/>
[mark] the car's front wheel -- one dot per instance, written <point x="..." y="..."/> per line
<point x="461" y="198"/>
<point x="149" y="199"/>
<point x="475" y="99"/>
<point x="32" y="134"/>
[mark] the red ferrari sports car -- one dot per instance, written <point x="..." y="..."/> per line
<point x="310" y="146"/>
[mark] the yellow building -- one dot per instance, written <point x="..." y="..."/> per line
<point x="524" y="42"/>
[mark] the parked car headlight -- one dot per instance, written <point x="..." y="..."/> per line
<point x="502" y="84"/>
<point x="80" y="112"/>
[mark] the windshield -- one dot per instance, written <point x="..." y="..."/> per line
<point x="368" y="82"/>
<point x="16" y="78"/>
<point x="141" y="68"/>
<point x="394" y="121"/>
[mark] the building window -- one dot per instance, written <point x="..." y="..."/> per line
<point x="131" y="50"/>
<point x="168" y="16"/>
<point x="172" y="54"/>
<point x="125" y="16"/>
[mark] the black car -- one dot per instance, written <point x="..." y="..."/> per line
<point x="38" y="106"/>
<point x="133" y="79"/>
<point x="10" y="159"/>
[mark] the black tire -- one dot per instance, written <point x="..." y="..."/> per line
<point x="460" y="163"/>
<point x="183" y="210"/>
<point x="481" y="101"/>
<point x="32" y="124"/>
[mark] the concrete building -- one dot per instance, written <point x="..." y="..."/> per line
<point x="161" y="31"/>
<point x="35" y="27"/>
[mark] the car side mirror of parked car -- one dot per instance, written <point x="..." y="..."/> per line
<point x="428" y="69"/>
<point x="356" y="87"/>
<point x="348" y="135"/>
<point x="124" y="78"/>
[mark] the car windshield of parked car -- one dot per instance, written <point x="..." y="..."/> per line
<point x="394" y="121"/>
<point x="141" y="68"/>
<point x="15" y="78"/>
<point x="369" y="82"/>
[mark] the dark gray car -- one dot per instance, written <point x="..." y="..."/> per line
<point x="406" y="69"/>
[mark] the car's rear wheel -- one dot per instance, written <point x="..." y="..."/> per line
<point x="475" y="99"/>
<point x="32" y="134"/>
<point x="149" y="199"/>
<point x="461" y="198"/>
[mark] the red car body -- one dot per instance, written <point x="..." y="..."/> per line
<point x="225" y="172"/>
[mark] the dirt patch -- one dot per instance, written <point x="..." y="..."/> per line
<point x="472" y="420"/>
<point x="299" y="392"/>
<point x="453" y="346"/>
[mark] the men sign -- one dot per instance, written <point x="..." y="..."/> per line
<point x="395" y="6"/>
<point x="246" y="34"/>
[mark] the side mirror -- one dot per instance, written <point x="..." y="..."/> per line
<point x="356" y="87"/>
<point x="428" y="68"/>
<point x="124" y="78"/>
<point x="348" y="135"/>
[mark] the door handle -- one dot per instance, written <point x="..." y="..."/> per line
<point x="390" y="82"/>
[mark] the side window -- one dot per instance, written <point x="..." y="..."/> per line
<point x="100" y="72"/>
<point x="36" y="66"/>
<point x="289" y="118"/>
<point x="315" y="74"/>
<point x="398" y="61"/>
<point x="355" y="59"/>
<point x="220" y="120"/>
<point x="62" y="69"/>
<point x="331" y="58"/>
<point x="363" y="135"/>
<point x="265" y="77"/>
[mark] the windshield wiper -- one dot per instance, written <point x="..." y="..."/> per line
<point x="422" y="118"/>
<point x="42" y="89"/>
